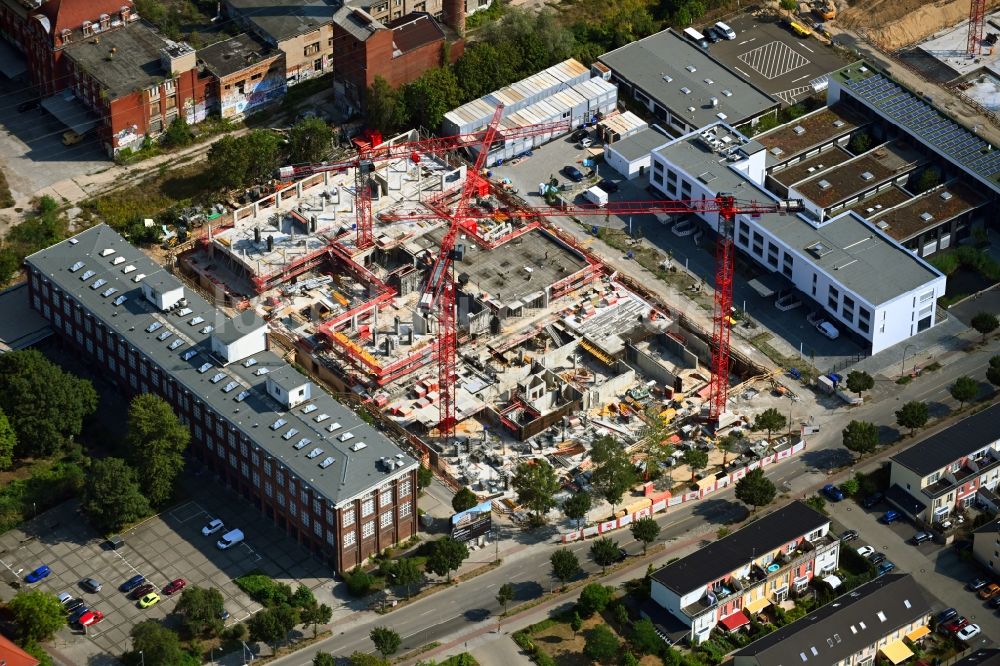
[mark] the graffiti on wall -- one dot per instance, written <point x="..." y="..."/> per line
<point x="259" y="94"/>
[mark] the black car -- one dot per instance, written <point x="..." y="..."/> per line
<point x="30" y="105"/>
<point x="977" y="584"/>
<point x="876" y="558"/>
<point x="995" y="602"/>
<point x="73" y="605"/>
<point x="75" y="616"/>
<point x="141" y="591"/>
<point x="946" y="614"/>
<point x="848" y="535"/>
<point x="580" y="135"/>
<point x="608" y="186"/>
<point x="712" y="35"/>
<point x="872" y="500"/>
<point x="622" y="554"/>
<point x="573" y="173"/>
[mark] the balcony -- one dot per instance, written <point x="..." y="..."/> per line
<point x="972" y="468"/>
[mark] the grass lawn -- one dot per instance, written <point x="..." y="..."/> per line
<point x="566" y="647"/>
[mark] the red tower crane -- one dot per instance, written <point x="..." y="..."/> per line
<point x="364" y="163"/>
<point x="727" y="208"/>
<point x="977" y="24"/>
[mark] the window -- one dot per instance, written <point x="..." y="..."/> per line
<point x="267" y="467"/>
<point x="772" y="255"/>
<point x="367" y="508"/>
<point x="305" y="497"/>
<point x="368" y="530"/>
<point x="281" y="499"/>
<point x="385" y="497"/>
<point x="743" y="231"/>
<point x="293" y="508"/>
<point x="232" y="458"/>
<point x="313" y="48"/>
<point x="305" y="519"/>
<point x="404" y="488"/>
<point x="832" y="298"/>
<point x="349" y="539"/>
<point x="671" y="176"/>
<point x="348" y="517"/>
<point x="658" y="179"/>
<point x="404" y="509"/>
<point x="268" y="488"/>
<point x="256" y="478"/>
<point x="245" y="468"/>
<point x="318" y="528"/>
<point x="385" y="520"/>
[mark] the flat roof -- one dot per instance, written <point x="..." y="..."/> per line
<point x="649" y="62"/>
<point x="806" y="168"/>
<point x="218" y="387"/>
<point x="729" y="553"/>
<point x="235" y="54"/>
<point x="281" y="19"/>
<point x="133" y="65"/>
<point x="873" y="206"/>
<point x="861" y="173"/>
<point x="809" y="131"/>
<point x="941" y="205"/>
<point x="954" y="443"/>
<point x="21" y="325"/>
<point x="638" y="145"/>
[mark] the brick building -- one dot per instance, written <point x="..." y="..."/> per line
<point x="338" y="486"/>
<point x="248" y="75"/>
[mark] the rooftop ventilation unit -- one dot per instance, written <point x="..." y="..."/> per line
<point x="926" y="217"/>
<point x="197" y="320"/>
<point x="206" y="330"/>
<point x="799" y="129"/>
<point x="347" y="436"/>
<point x="309" y="409"/>
<point x="708" y="82"/>
<point x="175" y="344"/>
<point x="721" y="116"/>
<point x="100" y="282"/>
<point x="668" y="78"/>
<point x="154" y="326"/>
<point x="292" y="432"/>
<point x="867" y="175"/>
<point x="107" y="292"/>
<point x="243" y="395"/>
<point x="108" y="252"/>
<point x="333" y="426"/>
<point x="326" y="462"/>
<point x="727" y="93"/>
<point x="205" y="367"/>
<point x="686" y="90"/>
<point x="77" y="266"/>
<point x="218" y="377"/>
<point x="777" y="151"/>
<point x="358" y="446"/>
<point x="261" y="372"/>
<point x="250" y="361"/>
<point x="303" y="443"/>
<point x="819" y="250"/>
<point x="128" y="269"/>
<point x="87" y="275"/>
<point x="883" y="225"/>
<point x="691" y="68"/>
<point x="321" y="418"/>
<point x="229" y="387"/>
<point x="315" y="453"/>
<point x="72" y="241"/>
<point x="277" y="424"/>
<point x="824" y="184"/>
<point x="839" y="123"/>
<point x="163" y="336"/>
<point x="189" y="354"/>
<point x="138" y="278"/>
<point x="120" y="300"/>
<point x="946" y="195"/>
<point x="117" y="260"/>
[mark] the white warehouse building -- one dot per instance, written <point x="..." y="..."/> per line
<point x="865" y="281"/>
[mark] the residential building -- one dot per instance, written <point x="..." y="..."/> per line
<point x="769" y="560"/>
<point x="682" y="85"/>
<point x="631" y="156"/>
<point x="986" y="545"/>
<point x="865" y="282"/>
<point x="248" y="75"/>
<point x="882" y="617"/>
<point x="332" y="482"/>
<point x="947" y="470"/>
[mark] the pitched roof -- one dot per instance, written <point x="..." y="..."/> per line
<point x="15" y="656"/>
<point x="413" y="31"/>
<point x="958" y="441"/>
<point x="844" y="626"/>
<point x="721" y="557"/>
<point x="70" y="14"/>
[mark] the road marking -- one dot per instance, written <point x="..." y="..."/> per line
<point x="807" y="48"/>
<point x="800" y="78"/>
<point x="789" y="96"/>
<point x="427" y="612"/>
<point x="741" y="72"/>
<point x="773" y="59"/>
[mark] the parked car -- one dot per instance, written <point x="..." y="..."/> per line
<point x="38" y="574"/>
<point x="953" y="625"/>
<point x="573" y="173"/>
<point x="73" y="605"/>
<point x="885" y="567"/>
<point x="946" y="615"/>
<point x="876" y="558"/>
<point x="622" y="555"/>
<point x="229" y="539"/>
<point x="608" y="186"/>
<point x="65" y="598"/>
<point x="977" y="584"/>
<point x="132" y="583"/>
<point x="149" y="600"/>
<point x="91" y="585"/>
<point x="872" y="500"/>
<point x="90" y="617"/>
<point x="175" y="586"/>
<point x="890" y="516"/>
<point x="580" y="134"/>
<point x="141" y="591"/>
<point x="989" y="591"/>
<point x="585" y="143"/>
<point x="223" y="614"/>
<point x="712" y="35"/>
<point x="848" y="535"/>
<point x="833" y="493"/>
<point x="684" y="227"/>
<point x="921" y="537"/>
<point x="866" y="551"/>
<point x="213" y="526"/>
<point x="77" y="614"/>
<point x="967" y="632"/>
<point x="828" y="329"/>
<point x="995" y="602"/>
<point x="30" y="105"/>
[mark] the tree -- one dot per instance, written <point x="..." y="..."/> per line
<point x="359" y="582"/>
<point x="446" y="556"/>
<point x="505" y="595"/>
<point x="159" y="646"/>
<point x="236" y="162"/>
<point x="8" y="442"/>
<point x="430" y="97"/>
<point x="482" y="69"/>
<point x="264" y="150"/>
<point x="645" y="638"/>
<point x="565" y="565"/>
<point x="964" y="389"/>
<point x="112" y="497"/>
<point x="859" y="381"/>
<point x="601" y="645"/>
<point x="464" y="499"/>
<point x="614" y="472"/>
<point x="755" y="489"/>
<point x="993" y="371"/>
<point x="424" y="477"/>
<point x="928" y="179"/>
<point x="536" y="484"/>
<point x="645" y="530"/>
<point x="851" y="486"/>
<point x="408" y="574"/>
<point x="576" y="623"/>
<point x="178" y="134"/>
<point x="788" y="5"/>
<point x="384" y="107"/>
<point x="860" y="142"/>
<point x="985" y="323"/>
<point x="37" y="615"/>
<point x="156" y="441"/>
<point x="594" y="598"/>
<point x="200" y="609"/>
<point x="577" y="507"/>
<point x="770" y="420"/>
<point x="309" y="141"/>
<point x="315" y="614"/>
<point x="385" y="639"/>
<point x="861" y="437"/>
<point x="605" y="552"/>
<point x="324" y="659"/>
<point x="272" y="625"/>
<point x="696" y="459"/>
<point x="727" y="444"/>
<point x="912" y="415"/>
<point x="45" y="405"/>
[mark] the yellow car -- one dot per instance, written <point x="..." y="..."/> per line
<point x="71" y="138"/>
<point x="149" y="600"/>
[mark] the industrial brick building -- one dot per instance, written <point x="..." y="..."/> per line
<point x="336" y="485"/>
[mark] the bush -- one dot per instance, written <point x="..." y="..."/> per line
<point x="358" y="582"/>
<point x="524" y="641"/>
<point x="265" y="590"/>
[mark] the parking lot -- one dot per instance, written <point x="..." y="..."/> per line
<point x="775" y="60"/>
<point x="162" y="548"/>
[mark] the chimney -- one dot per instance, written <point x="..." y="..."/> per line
<point x="454" y="15"/>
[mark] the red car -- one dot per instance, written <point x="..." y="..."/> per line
<point x="175" y="586"/>
<point x="953" y="626"/>
<point x="90" y="617"/>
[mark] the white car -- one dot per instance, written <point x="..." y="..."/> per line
<point x="828" y="329"/>
<point x="865" y="551"/>
<point x="229" y="539"/>
<point x="585" y="143"/>
<point x="967" y="632"/>
<point x="213" y="526"/>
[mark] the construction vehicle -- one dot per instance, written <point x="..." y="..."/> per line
<point x="825" y="9"/>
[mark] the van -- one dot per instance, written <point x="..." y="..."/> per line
<point x="596" y="196"/>
<point x="726" y="31"/>
<point x="229" y="539"/>
<point x="696" y="37"/>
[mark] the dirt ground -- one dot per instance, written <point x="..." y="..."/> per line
<point x="566" y="647"/>
<point x="896" y="23"/>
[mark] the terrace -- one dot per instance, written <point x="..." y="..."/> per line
<point x="810" y="131"/>
<point x="875" y="167"/>
<point x="808" y="167"/>
<point x="929" y="210"/>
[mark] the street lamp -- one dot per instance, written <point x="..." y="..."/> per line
<point x="142" y="658"/>
<point x="902" y="363"/>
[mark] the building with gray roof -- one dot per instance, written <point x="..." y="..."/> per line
<point x="333" y="482"/>
<point x="683" y="85"/>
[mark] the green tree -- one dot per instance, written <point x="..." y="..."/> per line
<point x="696" y="459"/>
<point x="359" y="582"/>
<point x="993" y="371"/>
<point x="964" y="389"/>
<point x="645" y="638"/>
<point x="601" y="645"/>
<point x="464" y="499"/>
<point x="985" y="323"/>
<point x="851" y="486"/>
<point x="594" y="598"/>
<point x="178" y="134"/>
<point x="605" y="552"/>
<point x="408" y="574"/>
<point x="629" y="659"/>
<point x="860" y="142"/>
<point x="309" y="141"/>
<point x="384" y="107"/>
<point x="614" y="472"/>
<point x="8" y="442"/>
<point x="228" y="162"/>
<point x="928" y="179"/>
<point x="159" y="646"/>
<point x="431" y="96"/>
<point x="424" y="477"/>
<point x="912" y="415"/>
<point x="755" y="489"/>
<point x="386" y="640"/>
<point x="536" y="484"/>
<point x="45" y="405"/>
<point x="727" y="444"/>
<point x="112" y="497"/>
<point x="505" y="595"/>
<point x="861" y="437"/>
<point x="577" y="507"/>
<point x="859" y="381"/>
<point x="770" y="420"/>
<point x="156" y="441"/>
<point x="37" y="615"/>
<point x="565" y="565"/>
<point x="200" y="609"/>
<point x="272" y="625"/>
<point x="315" y="613"/>
<point x="446" y="556"/>
<point x="646" y="530"/>
<point x="576" y="623"/>
<point x="324" y="659"/>
<point x="482" y="69"/>
<point x="264" y="150"/>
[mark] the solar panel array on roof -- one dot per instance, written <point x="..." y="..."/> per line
<point x="924" y="121"/>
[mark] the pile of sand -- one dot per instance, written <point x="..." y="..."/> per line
<point x="897" y="23"/>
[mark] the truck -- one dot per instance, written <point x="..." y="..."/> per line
<point x="596" y="196"/>
<point x="825" y="9"/>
